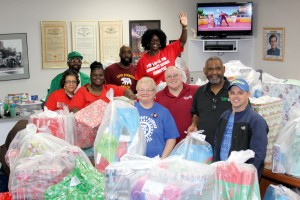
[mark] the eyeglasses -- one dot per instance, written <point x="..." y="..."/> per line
<point x="214" y="106"/>
<point x="75" y="59"/>
<point x="145" y="91"/>
<point x="172" y="76"/>
<point x="70" y="82"/>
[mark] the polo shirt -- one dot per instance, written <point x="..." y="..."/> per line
<point x="209" y="108"/>
<point x="179" y="106"/>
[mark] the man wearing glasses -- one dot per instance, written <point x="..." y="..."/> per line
<point x="210" y="100"/>
<point x="177" y="97"/>
<point x="74" y="62"/>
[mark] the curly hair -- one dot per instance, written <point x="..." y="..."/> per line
<point x="69" y="72"/>
<point x="147" y="36"/>
<point x="96" y="65"/>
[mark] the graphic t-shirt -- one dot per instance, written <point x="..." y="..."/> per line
<point x="114" y="74"/>
<point x="226" y="143"/>
<point x="154" y="66"/>
<point x="159" y="126"/>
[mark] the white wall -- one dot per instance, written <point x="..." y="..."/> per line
<point x="25" y="16"/>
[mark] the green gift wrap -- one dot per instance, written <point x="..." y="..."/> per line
<point x="84" y="182"/>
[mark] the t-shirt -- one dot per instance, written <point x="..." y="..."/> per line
<point x="154" y="66"/>
<point x="114" y="74"/>
<point x="179" y="106"/>
<point x="158" y="125"/>
<point x="83" y="97"/>
<point x="226" y="142"/>
<point x="57" y="100"/>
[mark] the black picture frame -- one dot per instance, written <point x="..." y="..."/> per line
<point x="14" y="63"/>
<point x="136" y="31"/>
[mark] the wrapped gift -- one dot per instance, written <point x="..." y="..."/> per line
<point x="58" y="123"/>
<point x="236" y="181"/>
<point x="84" y="182"/>
<point x="87" y="121"/>
<point x="271" y="109"/>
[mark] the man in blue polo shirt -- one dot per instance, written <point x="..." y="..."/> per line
<point x="74" y="62"/>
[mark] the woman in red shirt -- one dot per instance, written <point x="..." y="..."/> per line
<point x="89" y="93"/>
<point x="62" y="97"/>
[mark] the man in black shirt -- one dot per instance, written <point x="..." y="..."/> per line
<point x="210" y="100"/>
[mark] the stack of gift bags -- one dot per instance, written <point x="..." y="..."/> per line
<point x="118" y="134"/>
<point x="38" y="161"/>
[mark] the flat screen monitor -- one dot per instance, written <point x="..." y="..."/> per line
<point x="224" y="19"/>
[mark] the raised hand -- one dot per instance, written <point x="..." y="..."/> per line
<point x="183" y="19"/>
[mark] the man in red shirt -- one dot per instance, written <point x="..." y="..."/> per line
<point x="177" y="97"/>
<point x="123" y="72"/>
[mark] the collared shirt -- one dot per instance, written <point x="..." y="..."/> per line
<point x="179" y="106"/>
<point x="209" y="108"/>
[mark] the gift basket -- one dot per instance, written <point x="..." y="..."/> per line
<point x="83" y="182"/>
<point x="119" y="133"/>
<point x="87" y="121"/>
<point x="237" y="180"/>
<point x="195" y="148"/>
<point x="37" y="161"/>
<point x="59" y="123"/>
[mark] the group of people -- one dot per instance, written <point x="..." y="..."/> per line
<point x="220" y="108"/>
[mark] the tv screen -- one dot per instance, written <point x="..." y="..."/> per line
<point x="224" y="19"/>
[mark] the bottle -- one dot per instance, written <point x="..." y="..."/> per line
<point x="1" y="109"/>
<point x="6" y="108"/>
<point x="12" y="110"/>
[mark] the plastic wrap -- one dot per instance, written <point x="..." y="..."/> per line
<point x="280" y="192"/>
<point x="237" y="180"/>
<point x="38" y="161"/>
<point x="83" y="182"/>
<point x="119" y="133"/>
<point x="195" y="148"/>
<point x="87" y="121"/>
<point x="152" y="178"/>
<point x="286" y="158"/>
<point x="59" y="123"/>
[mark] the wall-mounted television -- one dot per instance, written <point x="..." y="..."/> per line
<point x="219" y="20"/>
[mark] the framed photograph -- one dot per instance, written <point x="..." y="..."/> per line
<point x="54" y="44"/>
<point x="85" y="40"/>
<point x="136" y="30"/>
<point x="273" y="44"/>
<point x="111" y="39"/>
<point x="13" y="56"/>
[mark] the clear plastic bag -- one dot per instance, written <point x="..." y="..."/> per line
<point x="286" y="158"/>
<point x="119" y="133"/>
<point x="280" y="192"/>
<point x="38" y="161"/>
<point x="59" y="123"/>
<point x="237" y="180"/>
<point x="194" y="148"/>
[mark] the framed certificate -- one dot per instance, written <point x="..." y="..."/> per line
<point x="85" y="40"/>
<point x="111" y="39"/>
<point x="54" y="44"/>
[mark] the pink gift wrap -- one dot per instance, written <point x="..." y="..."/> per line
<point x="87" y="122"/>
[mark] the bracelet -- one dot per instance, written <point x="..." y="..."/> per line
<point x="184" y="27"/>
